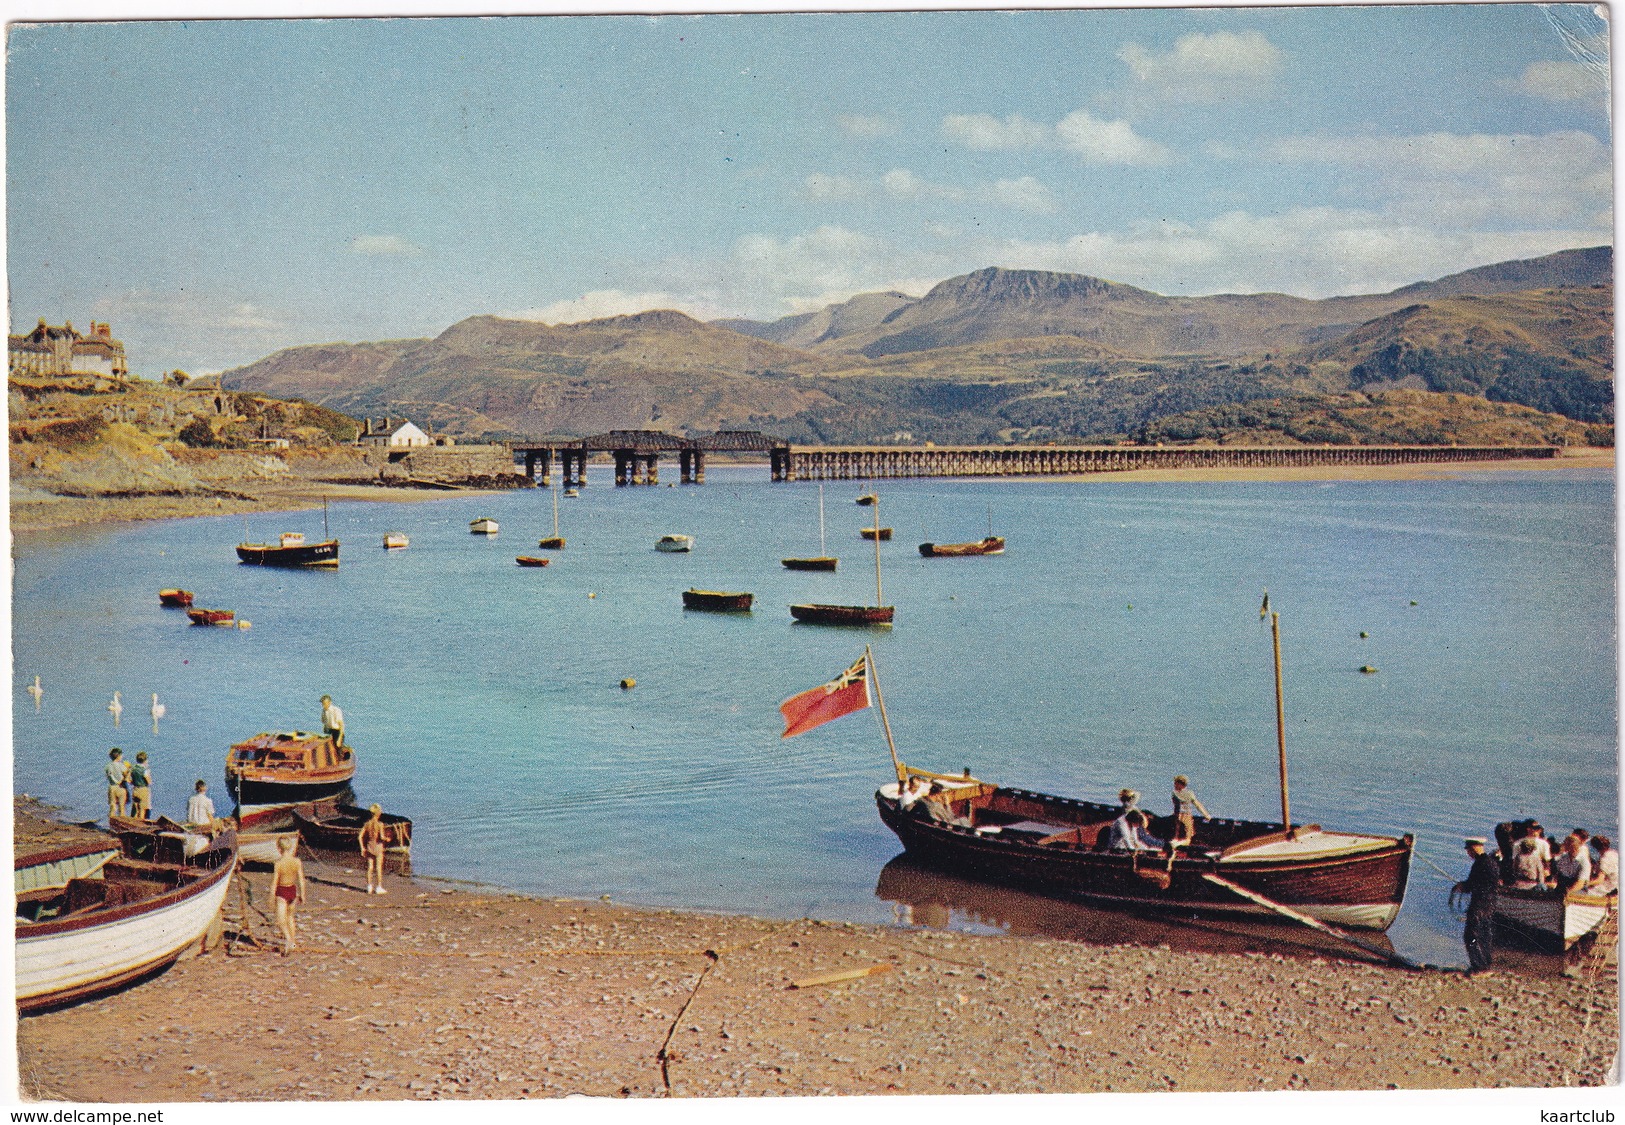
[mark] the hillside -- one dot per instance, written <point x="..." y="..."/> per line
<point x="991" y="356"/>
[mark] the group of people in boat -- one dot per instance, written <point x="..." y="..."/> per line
<point x="1131" y="831"/>
<point x="1527" y="859"/>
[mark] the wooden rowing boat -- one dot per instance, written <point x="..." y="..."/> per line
<point x="532" y="560"/>
<point x="1056" y="845"/>
<point x="485" y="525"/>
<point x="175" y="598"/>
<point x="992" y="545"/>
<point x="145" y="839"/>
<point x="1550" y="919"/>
<point x="875" y="532"/>
<point x="287" y="766"/>
<point x="92" y="917"/>
<point x="816" y="614"/>
<point x="336" y="826"/>
<point x="718" y="601"/>
<point x="212" y="617"/>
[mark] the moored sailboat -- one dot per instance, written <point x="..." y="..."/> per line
<point x="822" y="561"/>
<point x="554" y="542"/>
<point x="817" y="613"/>
<point x="291" y="550"/>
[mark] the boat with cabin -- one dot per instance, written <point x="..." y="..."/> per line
<point x="719" y="601"/>
<point x="336" y="826"/>
<point x="290" y="550"/>
<point x="175" y="598"/>
<point x="91" y="916"/>
<point x="282" y="767"/>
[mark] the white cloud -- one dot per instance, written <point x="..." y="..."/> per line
<point x="1107" y="142"/>
<point x="1563" y="81"/>
<point x="1456" y="180"/>
<point x="986" y="133"/>
<point x="601" y="303"/>
<point x="1206" y="68"/>
<point x="900" y="185"/>
<point x="867" y="126"/>
<point x="1080" y="133"/>
<point x="383" y="245"/>
<point x="1024" y="194"/>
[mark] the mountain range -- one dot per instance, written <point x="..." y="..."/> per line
<point x="993" y="355"/>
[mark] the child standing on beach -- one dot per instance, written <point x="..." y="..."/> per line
<point x="288" y="886"/>
<point x="371" y="840"/>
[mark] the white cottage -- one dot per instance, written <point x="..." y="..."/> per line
<point x="398" y="435"/>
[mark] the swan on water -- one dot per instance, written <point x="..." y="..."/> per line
<point x="36" y="691"/>
<point x="117" y="707"/>
<point x="158" y="712"/>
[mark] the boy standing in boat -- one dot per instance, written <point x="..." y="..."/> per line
<point x="1186" y="806"/>
<point x="117" y="770"/>
<point x="332" y="721"/>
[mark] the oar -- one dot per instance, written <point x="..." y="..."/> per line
<point x="1387" y="955"/>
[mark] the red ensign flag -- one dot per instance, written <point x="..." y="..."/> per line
<point x="843" y="695"/>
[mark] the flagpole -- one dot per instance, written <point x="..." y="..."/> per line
<point x="1280" y="725"/>
<point x="885" y="724"/>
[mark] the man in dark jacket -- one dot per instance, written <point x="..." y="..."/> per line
<point x="1481" y="885"/>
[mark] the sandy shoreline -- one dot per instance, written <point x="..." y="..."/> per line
<point x="435" y="992"/>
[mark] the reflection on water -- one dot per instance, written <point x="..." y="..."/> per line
<point x="924" y="896"/>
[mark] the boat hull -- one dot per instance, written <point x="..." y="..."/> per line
<point x="1345" y="880"/>
<point x="281" y="769"/>
<point x="816" y="614"/>
<point x="175" y="599"/>
<point x="305" y="554"/>
<point x="531" y="560"/>
<point x="718" y="601"/>
<point x="1550" y="920"/>
<point x="69" y="958"/>
<point x="992" y="545"/>
<point x="335" y="826"/>
<point x="821" y="563"/>
<point x="551" y="543"/>
<point x="212" y="617"/>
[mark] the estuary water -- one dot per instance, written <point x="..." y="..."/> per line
<point x="1117" y="642"/>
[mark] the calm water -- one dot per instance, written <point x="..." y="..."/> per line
<point x="1117" y="642"/>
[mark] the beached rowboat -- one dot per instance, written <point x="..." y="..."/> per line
<point x="336" y="826"/>
<point x="992" y="545"/>
<point x="718" y="600"/>
<point x="1055" y="845"/>
<point x="93" y="918"/>
<point x="174" y="598"/>
<point x="155" y="839"/>
<point x="1551" y="919"/>
<point x="287" y="766"/>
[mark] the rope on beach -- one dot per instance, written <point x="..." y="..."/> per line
<point x="343" y="951"/>
<point x="1436" y="867"/>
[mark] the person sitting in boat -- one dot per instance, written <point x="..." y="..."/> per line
<point x="1528" y="870"/>
<point x="1605" y="872"/>
<point x="1572" y="866"/>
<point x="912" y="792"/>
<point x="1129" y="834"/>
<point x="1186" y="806"/>
<point x="200" y="808"/>
<point x="1128" y="800"/>
<point x="332" y="721"/>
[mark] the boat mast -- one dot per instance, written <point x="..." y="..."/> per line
<point x="885" y="724"/>
<point x="1280" y="726"/>
<point x="822" y="552"/>
<point x="879" y="600"/>
<point x="326" y="535"/>
<point x="555" y="510"/>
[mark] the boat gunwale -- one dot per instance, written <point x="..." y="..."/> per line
<point x="204" y="879"/>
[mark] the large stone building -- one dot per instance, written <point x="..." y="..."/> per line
<point x="52" y="350"/>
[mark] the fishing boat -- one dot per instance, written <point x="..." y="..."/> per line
<point x="675" y="543"/>
<point x="396" y="541"/>
<point x="336" y="826"/>
<point x="485" y="525"/>
<point x="175" y="599"/>
<point x="992" y="545"/>
<point x="1551" y="920"/>
<point x="876" y="533"/>
<point x="91" y="917"/>
<point x="717" y="601"/>
<point x="290" y="549"/>
<point x="531" y="560"/>
<point x="1060" y="846"/>
<point x="822" y="561"/>
<point x="287" y="766"/>
<point x="554" y="542"/>
<point x="818" y="613"/>
<point x="225" y="617"/>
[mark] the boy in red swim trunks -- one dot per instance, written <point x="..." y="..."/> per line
<point x="288" y="886"/>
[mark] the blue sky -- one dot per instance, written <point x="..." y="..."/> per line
<point x="218" y="190"/>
